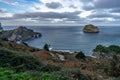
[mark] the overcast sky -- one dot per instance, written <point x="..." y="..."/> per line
<point x="60" y="12"/>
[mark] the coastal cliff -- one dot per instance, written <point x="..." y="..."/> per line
<point x="19" y="34"/>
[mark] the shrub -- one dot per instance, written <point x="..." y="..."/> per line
<point x="25" y="43"/>
<point x="46" y="47"/>
<point x="100" y="48"/>
<point x="114" y="48"/>
<point x="18" y="61"/>
<point x="4" y="39"/>
<point x="115" y="66"/>
<point x="80" y="55"/>
<point x="50" y="68"/>
<point x="74" y="74"/>
<point x="7" y="74"/>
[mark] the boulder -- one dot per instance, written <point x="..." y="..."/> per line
<point x="90" y="29"/>
<point x="20" y="34"/>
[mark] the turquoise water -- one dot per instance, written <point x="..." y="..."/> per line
<point x="73" y="39"/>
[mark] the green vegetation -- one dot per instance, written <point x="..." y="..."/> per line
<point x="115" y="66"/>
<point x="19" y="61"/>
<point x="25" y="66"/>
<point x="101" y="48"/>
<point x="46" y="47"/>
<point x="7" y="74"/>
<point x="112" y="53"/>
<point x="80" y="55"/>
<point x="50" y="68"/>
<point x="110" y="49"/>
<point x="75" y="74"/>
<point x="25" y="43"/>
<point x="106" y="52"/>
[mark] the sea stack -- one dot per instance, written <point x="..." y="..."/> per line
<point x="90" y="28"/>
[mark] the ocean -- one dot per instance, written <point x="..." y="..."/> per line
<point x="71" y="38"/>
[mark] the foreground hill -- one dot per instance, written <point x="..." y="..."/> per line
<point x="60" y="65"/>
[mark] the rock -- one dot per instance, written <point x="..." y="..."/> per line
<point x="20" y="34"/>
<point x="90" y="29"/>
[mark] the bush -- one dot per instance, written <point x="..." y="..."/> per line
<point x="51" y="76"/>
<point x="115" y="66"/>
<point x="18" y="61"/>
<point x="80" y="55"/>
<point x="109" y="49"/>
<point x="50" y="68"/>
<point x="114" y="48"/>
<point x="74" y="74"/>
<point x="100" y="48"/>
<point x="25" y="43"/>
<point x="7" y="74"/>
<point x="46" y="47"/>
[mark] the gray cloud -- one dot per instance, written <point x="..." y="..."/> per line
<point x="53" y="5"/>
<point x="2" y="11"/>
<point x="115" y="10"/>
<point x="105" y="15"/>
<point x="100" y="4"/>
<point x="86" y="1"/>
<point x="101" y="15"/>
<point x="49" y="15"/>
<point x="72" y="6"/>
<point x="107" y="4"/>
<point x="6" y="18"/>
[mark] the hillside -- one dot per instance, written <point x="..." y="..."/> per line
<point x="21" y="57"/>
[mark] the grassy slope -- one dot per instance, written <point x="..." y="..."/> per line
<point x="92" y="67"/>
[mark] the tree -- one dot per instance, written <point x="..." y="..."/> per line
<point x="46" y="47"/>
<point x="80" y="55"/>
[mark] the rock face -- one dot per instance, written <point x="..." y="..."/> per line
<point x="90" y="29"/>
<point x="20" y="34"/>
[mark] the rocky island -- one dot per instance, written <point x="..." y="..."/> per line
<point x="90" y="29"/>
<point x="19" y="34"/>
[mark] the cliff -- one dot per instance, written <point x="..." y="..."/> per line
<point x="20" y="34"/>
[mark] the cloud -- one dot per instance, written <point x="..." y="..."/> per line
<point x="53" y="5"/>
<point x="42" y="18"/>
<point x="102" y="15"/>
<point x="49" y="15"/>
<point x="100" y="4"/>
<point x="60" y="11"/>
<point x="72" y="6"/>
<point x="107" y="4"/>
<point x="2" y="11"/>
<point x="115" y="10"/>
<point x="10" y="2"/>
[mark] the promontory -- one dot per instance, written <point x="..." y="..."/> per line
<point x="19" y="34"/>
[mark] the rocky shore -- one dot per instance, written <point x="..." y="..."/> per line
<point x="19" y="34"/>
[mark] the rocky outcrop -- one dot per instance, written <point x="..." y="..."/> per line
<point x="90" y="29"/>
<point x="20" y="34"/>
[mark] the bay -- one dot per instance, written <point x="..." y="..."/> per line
<point x="71" y="38"/>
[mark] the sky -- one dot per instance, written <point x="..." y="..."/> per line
<point x="60" y="12"/>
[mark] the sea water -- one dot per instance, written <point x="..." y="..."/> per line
<point x="71" y="38"/>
